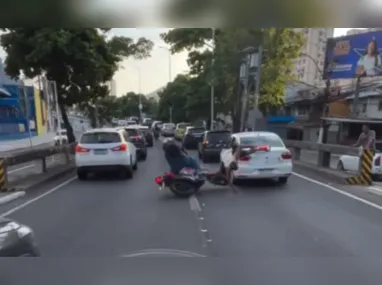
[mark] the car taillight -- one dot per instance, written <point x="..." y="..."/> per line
<point x="286" y="155"/>
<point x="137" y="138"/>
<point x="245" y="158"/>
<point x="377" y="161"/>
<point x="205" y="142"/>
<point x="80" y="149"/>
<point x="159" y="180"/>
<point x="262" y="148"/>
<point x="122" y="147"/>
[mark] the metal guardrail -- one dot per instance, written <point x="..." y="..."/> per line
<point x="29" y="155"/>
<point x="322" y="149"/>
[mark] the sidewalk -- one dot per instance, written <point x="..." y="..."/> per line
<point x="16" y="145"/>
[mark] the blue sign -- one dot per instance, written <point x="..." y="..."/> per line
<point x="354" y="56"/>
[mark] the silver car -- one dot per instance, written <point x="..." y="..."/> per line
<point x="168" y="130"/>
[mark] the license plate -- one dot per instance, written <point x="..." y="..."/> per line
<point x="266" y="170"/>
<point x="100" y="151"/>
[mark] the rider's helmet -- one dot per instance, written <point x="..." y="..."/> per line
<point x="172" y="148"/>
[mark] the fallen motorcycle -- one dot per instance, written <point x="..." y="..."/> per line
<point x="188" y="182"/>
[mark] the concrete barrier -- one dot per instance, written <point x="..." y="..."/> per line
<point x="29" y="155"/>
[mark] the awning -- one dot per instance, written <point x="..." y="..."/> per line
<point x="4" y="93"/>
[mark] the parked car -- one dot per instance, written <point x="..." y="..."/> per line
<point x="137" y="137"/>
<point x="147" y="122"/>
<point x="149" y="136"/>
<point x="351" y="163"/>
<point x="156" y="128"/>
<point x="181" y="130"/>
<point x="264" y="156"/>
<point x="168" y="130"/>
<point x="105" y="150"/>
<point x="17" y="240"/>
<point x="134" y="118"/>
<point x="192" y="137"/>
<point x="61" y="137"/>
<point x="211" y="144"/>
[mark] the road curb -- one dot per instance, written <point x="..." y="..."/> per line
<point x="327" y="173"/>
<point x="12" y="196"/>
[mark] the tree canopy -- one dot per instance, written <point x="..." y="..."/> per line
<point x="110" y="107"/>
<point x="79" y="60"/>
<point x="282" y="46"/>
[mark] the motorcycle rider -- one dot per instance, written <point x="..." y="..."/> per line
<point x="178" y="158"/>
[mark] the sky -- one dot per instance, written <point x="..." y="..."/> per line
<point x="153" y="72"/>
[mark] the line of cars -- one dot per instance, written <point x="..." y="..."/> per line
<point x="264" y="155"/>
<point x="112" y="150"/>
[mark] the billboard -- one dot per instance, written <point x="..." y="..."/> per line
<point x="354" y="56"/>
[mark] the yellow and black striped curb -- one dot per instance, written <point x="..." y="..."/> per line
<point x="3" y="177"/>
<point x="365" y="174"/>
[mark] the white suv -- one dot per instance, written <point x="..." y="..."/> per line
<point x="102" y="150"/>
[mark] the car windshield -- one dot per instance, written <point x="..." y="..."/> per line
<point x="215" y="137"/>
<point x="100" y="137"/>
<point x="132" y="132"/>
<point x="271" y="140"/>
<point x="62" y="133"/>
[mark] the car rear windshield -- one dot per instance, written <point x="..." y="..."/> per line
<point x="168" y="126"/>
<point x="131" y="122"/>
<point x="196" y="130"/>
<point x="101" y="137"/>
<point x="145" y="131"/>
<point x="215" y="137"/>
<point x="132" y="132"/>
<point x="272" y="141"/>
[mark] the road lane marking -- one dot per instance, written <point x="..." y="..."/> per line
<point x="21" y="168"/>
<point x="371" y="204"/>
<point x="194" y="204"/>
<point x="23" y="205"/>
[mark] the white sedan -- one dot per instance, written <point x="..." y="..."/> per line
<point x="351" y="163"/>
<point x="101" y="150"/>
<point x="268" y="158"/>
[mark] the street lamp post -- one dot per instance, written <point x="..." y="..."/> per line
<point x="169" y="63"/>
<point x="212" y="79"/>
<point x="139" y="90"/>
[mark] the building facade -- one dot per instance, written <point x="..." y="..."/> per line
<point x="309" y="66"/>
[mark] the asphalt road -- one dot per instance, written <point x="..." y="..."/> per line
<point x="303" y="233"/>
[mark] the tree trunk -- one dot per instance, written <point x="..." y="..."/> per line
<point x="237" y="115"/>
<point x="68" y="126"/>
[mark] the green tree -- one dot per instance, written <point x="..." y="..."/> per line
<point x="251" y="12"/>
<point x="282" y="47"/>
<point x="128" y="105"/>
<point x="79" y="60"/>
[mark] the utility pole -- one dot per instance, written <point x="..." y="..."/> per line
<point x="244" y="97"/>
<point x="213" y="80"/>
<point x="355" y="105"/>
<point x="170" y="111"/>
<point x="257" y="83"/>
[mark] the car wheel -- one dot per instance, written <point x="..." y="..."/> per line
<point x="144" y="156"/>
<point x="81" y="174"/>
<point x="205" y="159"/>
<point x="135" y="166"/>
<point x="129" y="172"/>
<point x="340" y="166"/>
<point x="282" y="180"/>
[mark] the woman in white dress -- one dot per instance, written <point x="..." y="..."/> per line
<point x="370" y="63"/>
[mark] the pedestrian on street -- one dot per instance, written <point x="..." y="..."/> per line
<point x="366" y="140"/>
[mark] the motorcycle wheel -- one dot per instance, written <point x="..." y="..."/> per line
<point x="185" y="189"/>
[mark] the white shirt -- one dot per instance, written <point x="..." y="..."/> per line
<point x="368" y="63"/>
